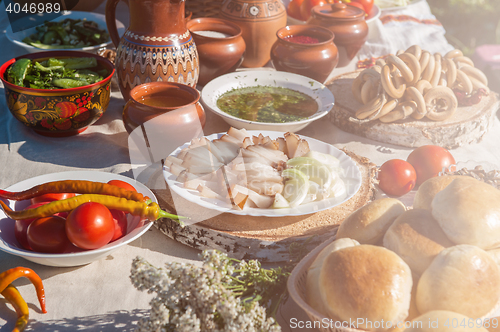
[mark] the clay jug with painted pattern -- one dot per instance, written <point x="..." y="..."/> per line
<point x="156" y="46"/>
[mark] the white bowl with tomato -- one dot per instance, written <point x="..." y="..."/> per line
<point x="42" y="240"/>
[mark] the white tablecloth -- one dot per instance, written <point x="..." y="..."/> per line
<point x="99" y="296"/>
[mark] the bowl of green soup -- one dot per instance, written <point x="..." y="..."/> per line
<point x="267" y="100"/>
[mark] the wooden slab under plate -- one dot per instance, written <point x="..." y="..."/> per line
<point x="468" y="125"/>
<point x="269" y="239"/>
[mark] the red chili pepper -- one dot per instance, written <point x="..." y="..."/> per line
<point x="150" y="211"/>
<point x="9" y="276"/>
<point x="73" y="186"/>
<point x="14" y="297"/>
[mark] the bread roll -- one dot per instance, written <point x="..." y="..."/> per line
<point x="463" y="279"/>
<point x="367" y="282"/>
<point x="468" y="211"/>
<point x="369" y="223"/>
<point x="417" y="238"/>
<point x="495" y="254"/>
<point x="427" y="190"/>
<point x="444" y="321"/>
<point x="312" y="280"/>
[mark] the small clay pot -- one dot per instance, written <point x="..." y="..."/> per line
<point x="218" y="55"/>
<point x="347" y="23"/>
<point x="184" y="115"/>
<point x="315" y="60"/>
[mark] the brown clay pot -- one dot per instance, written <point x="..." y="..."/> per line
<point x="347" y="23"/>
<point x="218" y="55"/>
<point x="259" y="20"/>
<point x="157" y="46"/>
<point x="185" y="115"/>
<point x="316" y="60"/>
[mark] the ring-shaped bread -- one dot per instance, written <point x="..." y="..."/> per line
<point x="412" y="62"/>
<point x="402" y="111"/>
<point x="436" y="76"/>
<point x="450" y="69"/>
<point x="464" y="82"/>
<point x="415" y="50"/>
<point x="388" y="85"/>
<point x="429" y="69"/>
<point x="434" y="102"/>
<point x="412" y="94"/>
<point x="401" y="66"/>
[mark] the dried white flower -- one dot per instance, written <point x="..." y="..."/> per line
<point x="206" y="298"/>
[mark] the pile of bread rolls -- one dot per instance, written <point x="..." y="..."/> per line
<point x="436" y="261"/>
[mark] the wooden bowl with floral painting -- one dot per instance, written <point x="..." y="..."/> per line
<point x="59" y="112"/>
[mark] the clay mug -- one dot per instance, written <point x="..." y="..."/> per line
<point x="174" y="106"/>
<point x="156" y="46"/>
<point x="347" y="23"/>
<point x="220" y="46"/>
<point x="314" y="55"/>
<point x="259" y="20"/>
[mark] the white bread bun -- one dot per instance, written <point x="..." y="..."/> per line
<point x="417" y="238"/>
<point x="368" y="224"/>
<point x="367" y="282"/>
<point x="468" y="211"/>
<point x="495" y="254"/>
<point x="463" y="279"/>
<point x="444" y="321"/>
<point x="312" y="279"/>
<point x="429" y="188"/>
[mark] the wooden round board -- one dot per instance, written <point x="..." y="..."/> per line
<point x="269" y="239"/>
<point x="468" y="125"/>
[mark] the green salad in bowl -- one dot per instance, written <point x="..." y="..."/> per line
<point x="55" y="73"/>
<point x="66" y="34"/>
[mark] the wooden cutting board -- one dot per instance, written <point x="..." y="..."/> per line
<point x="269" y="239"/>
<point x="467" y="126"/>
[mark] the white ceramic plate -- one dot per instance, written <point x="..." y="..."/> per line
<point x="352" y="180"/>
<point x="9" y="244"/>
<point x="17" y="37"/>
<point x="319" y="92"/>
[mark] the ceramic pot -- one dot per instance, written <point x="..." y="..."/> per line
<point x="184" y="112"/>
<point x="220" y="46"/>
<point x="157" y="46"/>
<point x="259" y="20"/>
<point x="315" y="60"/>
<point x="347" y="23"/>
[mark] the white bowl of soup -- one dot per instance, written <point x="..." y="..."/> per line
<point x="267" y="100"/>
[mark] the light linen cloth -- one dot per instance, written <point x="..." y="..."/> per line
<point x="399" y="28"/>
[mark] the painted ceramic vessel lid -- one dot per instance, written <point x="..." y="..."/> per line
<point x="338" y="11"/>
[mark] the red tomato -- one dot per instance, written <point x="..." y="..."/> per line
<point x="48" y="235"/>
<point x="429" y="161"/>
<point x="21" y="226"/>
<point x="90" y="226"/>
<point x="367" y="4"/>
<point x="50" y="197"/>
<point x="357" y="4"/>
<point x="307" y="5"/>
<point x="396" y="177"/>
<point x="293" y="10"/>
<point x="122" y="184"/>
<point x="120" y="220"/>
